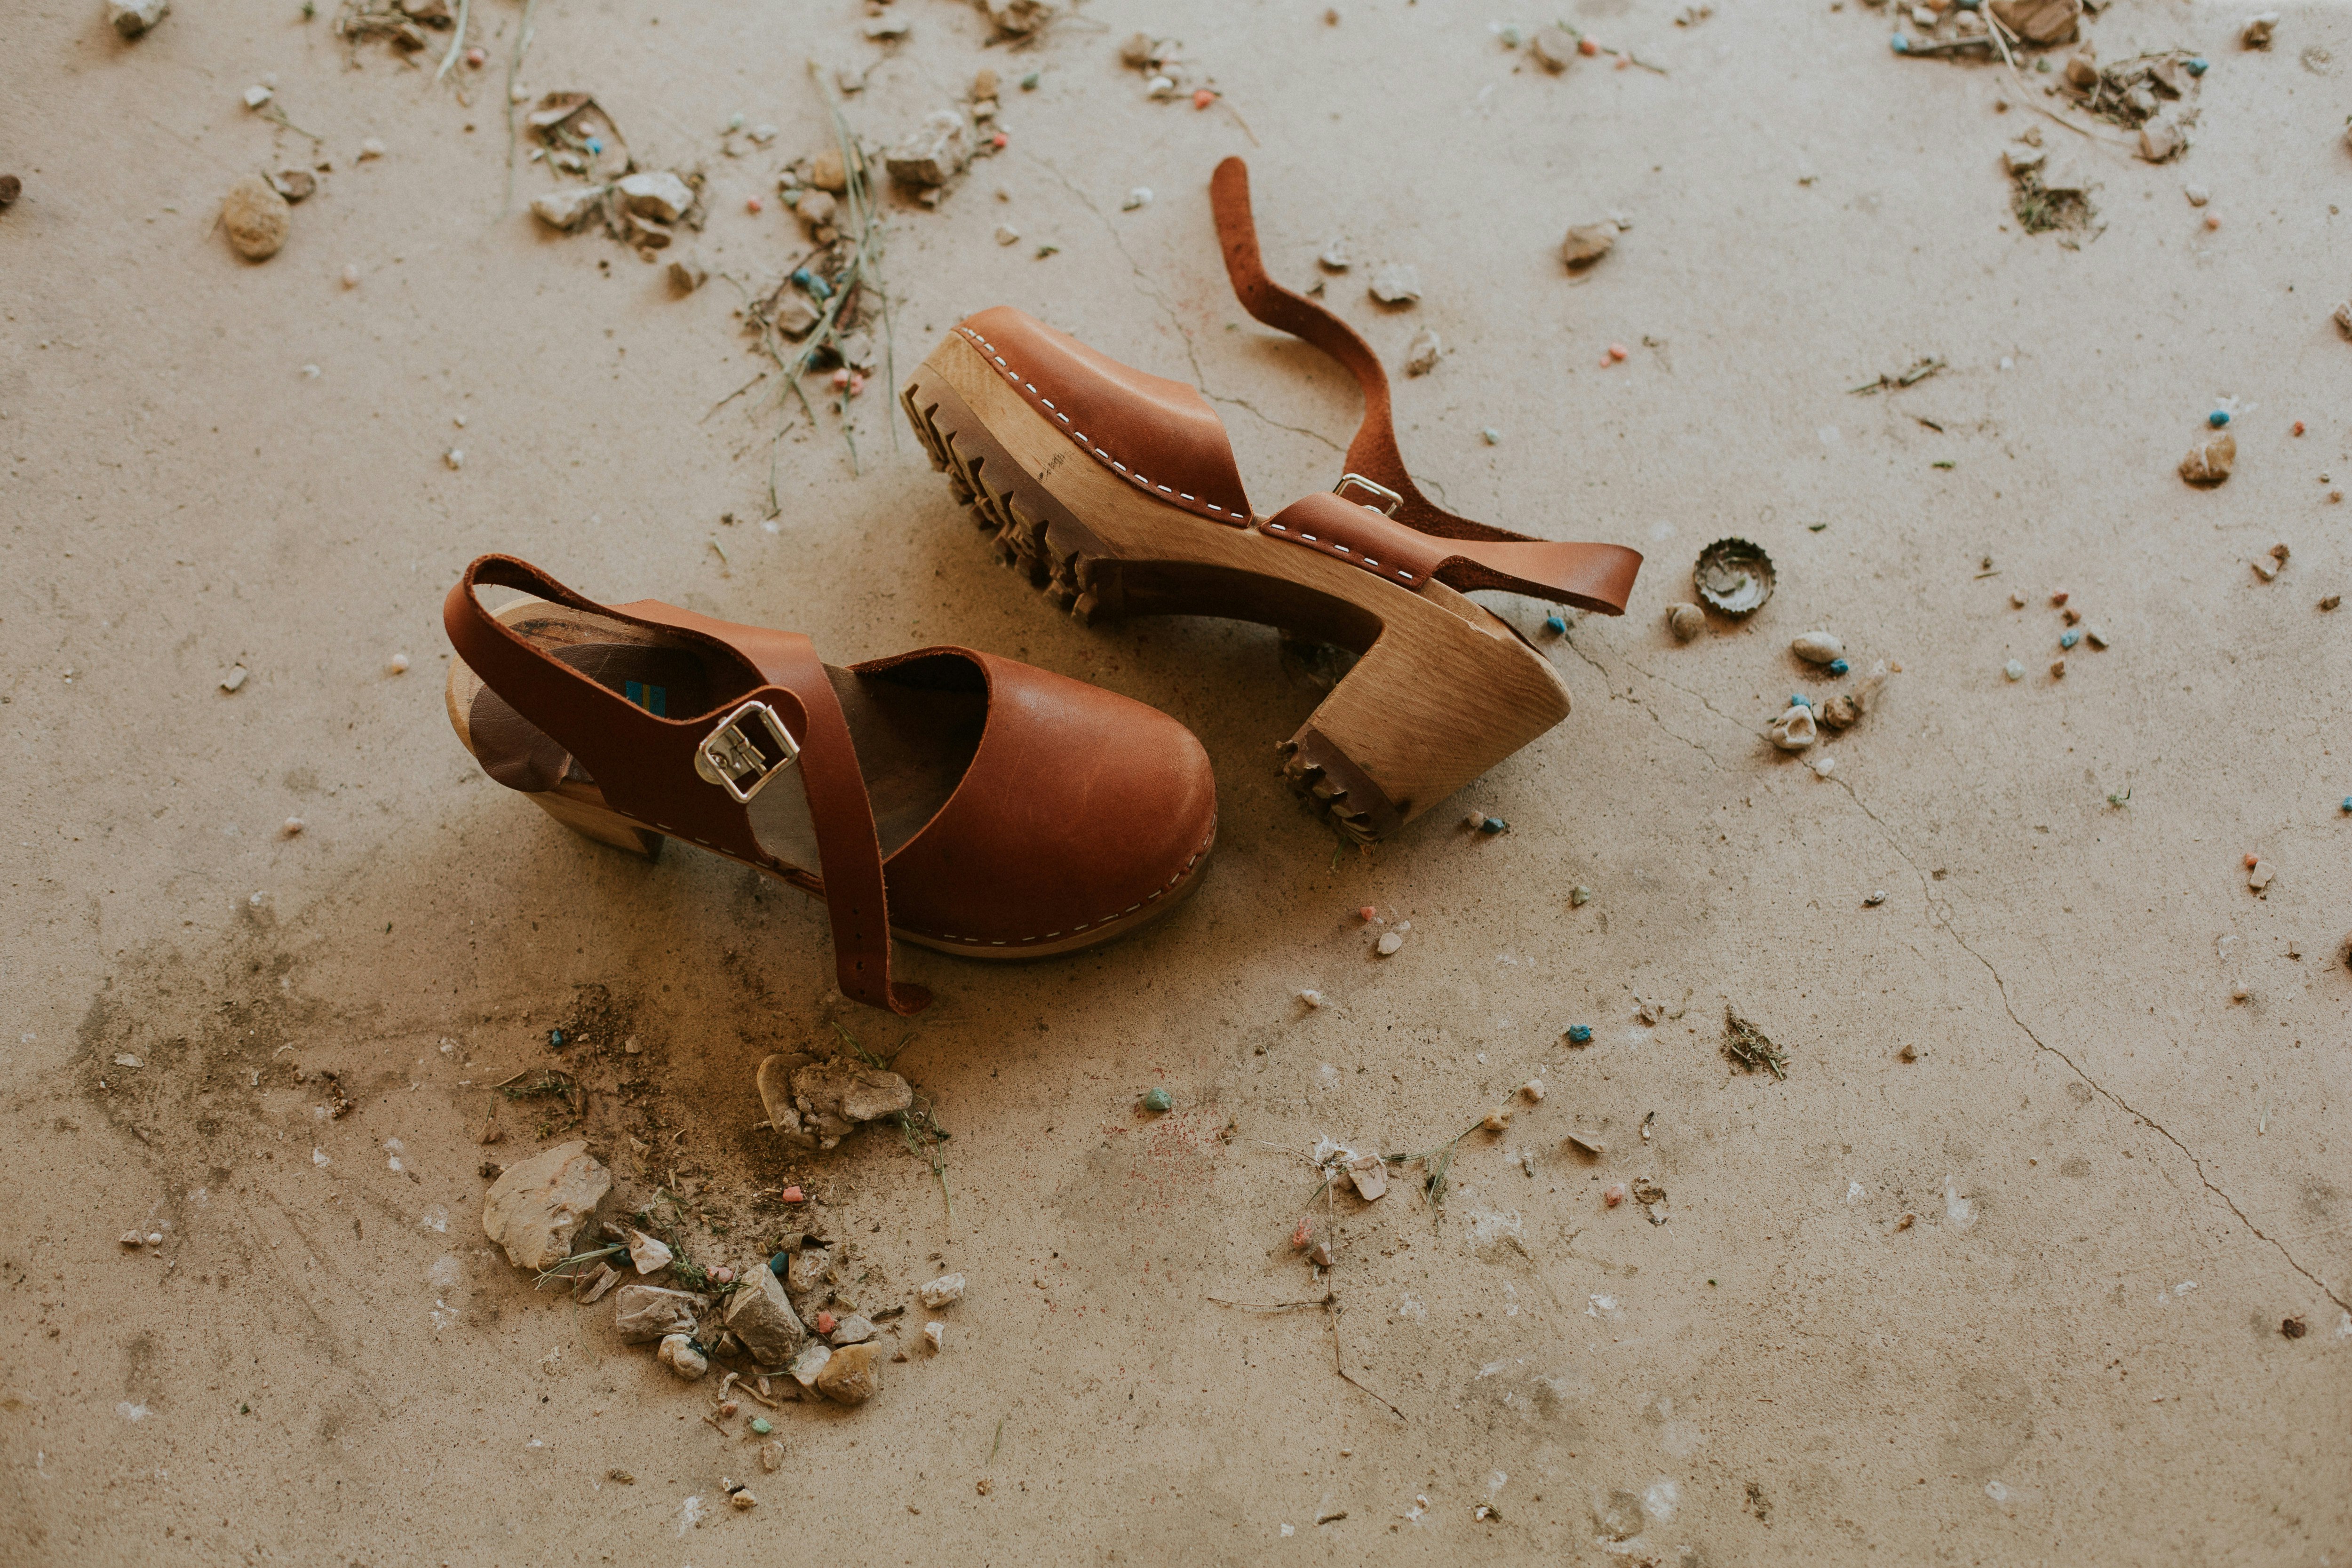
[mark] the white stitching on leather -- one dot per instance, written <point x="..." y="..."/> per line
<point x="1010" y="374"/>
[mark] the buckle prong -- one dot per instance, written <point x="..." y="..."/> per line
<point x="742" y="759"/>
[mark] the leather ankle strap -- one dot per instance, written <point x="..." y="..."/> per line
<point x="646" y="764"/>
<point x="1590" y="576"/>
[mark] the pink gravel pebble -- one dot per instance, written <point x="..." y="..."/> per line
<point x="753" y="204"/>
<point x="1614" y="1195"/>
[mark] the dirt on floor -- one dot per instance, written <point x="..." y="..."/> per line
<point x="2041" y="1252"/>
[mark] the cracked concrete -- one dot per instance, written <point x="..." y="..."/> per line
<point x="2016" y="1298"/>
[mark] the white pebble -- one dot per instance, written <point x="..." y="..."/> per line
<point x="1312" y="998"/>
<point x="1139" y="197"/>
<point x="154" y="1238"/>
<point x="399" y="665"/>
<point x="350" y="275"/>
<point x="294" y="824"/>
<point x="937" y="1333"/>
<point x="370" y="148"/>
<point x="1823" y="766"/>
<point x="459" y="421"/>
<point x="255" y="97"/>
<point x="1390" y="942"/>
<point x="947" y="1288"/>
<point x="455" y="456"/>
<point x="2013" y="670"/>
<point x="1007" y="234"/>
<point x="1818" y="648"/>
<point x="309" y="372"/>
<point x="234" y="680"/>
<point x="1534" y="1089"/>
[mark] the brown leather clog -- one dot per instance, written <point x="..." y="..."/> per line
<point x="1117" y="492"/>
<point x="954" y="799"/>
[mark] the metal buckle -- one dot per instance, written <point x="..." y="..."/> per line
<point x="1386" y="494"/>
<point x="741" y="760"/>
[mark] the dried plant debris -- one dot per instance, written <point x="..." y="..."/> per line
<point x="1750" y="1047"/>
<point x="2131" y="93"/>
<point x="2049" y="199"/>
<point x="403" y="24"/>
<point x="579" y="137"/>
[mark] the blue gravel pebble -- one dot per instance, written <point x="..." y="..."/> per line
<point x="779" y="1264"/>
<point x="1580" y="1034"/>
<point x="2347" y="805"/>
<point x="1838" y="667"/>
<point x="2199" y="65"/>
<point x="1158" y="1100"/>
<point x="1493" y="824"/>
<point x="2219" y="418"/>
<point x="2069" y="638"/>
<point x="555" y="1039"/>
<point x="1899" y="44"/>
<point x="1799" y="699"/>
<point x="1556" y="624"/>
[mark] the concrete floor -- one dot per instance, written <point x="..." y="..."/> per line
<point x="2018" y="1301"/>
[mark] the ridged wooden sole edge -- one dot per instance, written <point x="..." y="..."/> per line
<point x="1035" y="534"/>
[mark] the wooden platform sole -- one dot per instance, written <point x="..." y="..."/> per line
<point x="1442" y="689"/>
<point x="581" y="806"/>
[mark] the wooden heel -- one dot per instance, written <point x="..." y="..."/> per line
<point x="592" y="819"/>
<point x="1442" y="691"/>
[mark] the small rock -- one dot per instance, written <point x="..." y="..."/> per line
<point x="659" y="195"/>
<point x="1818" y="648"/>
<point x="795" y="315"/>
<point x="817" y="209"/>
<point x="537" y="1206"/>
<point x="947" y="1288"/>
<point x="2160" y="138"/>
<point x="984" y="85"/>
<point x="1141" y="196"/>
<point x="809" y="1365"/>
<point x="1614" y="1194"/>
<point x="256" y="218"/>
<point x="132" y="18"/>
<point x="568" y="208"/>
<point x="2208" y="462"/>
<point x="132" y="1239"/>
<point x="679" y="1354"/>
<point x="1007" y="234"/>
<point x="826" y="172"/>
<point x="1333" y="258"/>
<point x="2256" y="34"/>
<point x="1396" y="283"/>
<point x="932" y="154"/>
<point x="761" y="1316"/>
<point x="2039" y="21"/>
<point x="832" y="1099"/>
<point x="2259" y="874"/>
<point x="644" y="1313"/>
<point x="1794" y="729"/>
<point x="807" y="1269"/>
<point x="1158" y="1102"/>
<point x="2020" y="158"/>
<point x="1686" y="621"/>
<point x="1496" y="1120"/>
<point x="852" y="1375"/>
<point x="2343" y="316"/>
<point x="936" y="1332"/>
<point x="1586" y="244"/>
<point x="2094" y="637"/>
<point x="772" y="1456"/>
<point x="740" y="1499"/>
<point x="887" y="29"/>
<point x="648" y="1253"/>
<point x="1420" y="354"/>
<point x="1320" y="1252"/>
<point x="1389" y="943"/>
<point x="1579" y="896"/>
<point x="255" y="97"/>
<point x="1369" y="1176"/>
<point x="370" y="148"/>
<point x="1838" y="712"/>
<point x="1589" y="1147"/>
<point x="687" y="275"/>
<point x="294" y="184"/>
<point x="11" y="188"/>
<point x="853" y="1330"/>
<point x="1553" y="47"/>
<point x="1534" y="1090"/>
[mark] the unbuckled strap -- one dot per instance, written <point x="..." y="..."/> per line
<point x="1593" y="576"/>
<point x="645" y="764"/>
